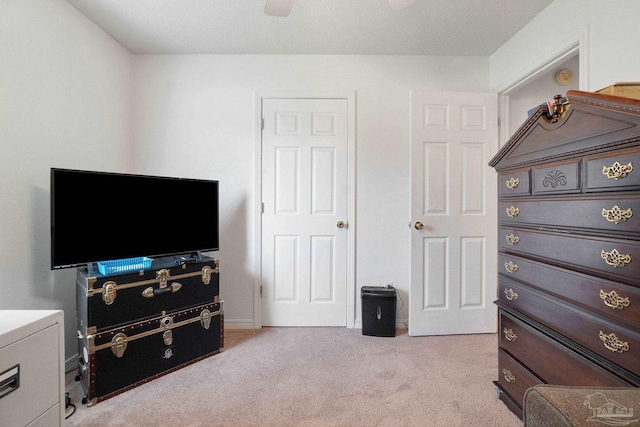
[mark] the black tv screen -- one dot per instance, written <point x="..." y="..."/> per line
<point x="100" y="216"/>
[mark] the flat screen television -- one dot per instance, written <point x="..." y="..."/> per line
<point x="101" y="216"/>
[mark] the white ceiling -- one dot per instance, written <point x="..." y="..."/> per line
<point x="354" y="27"/>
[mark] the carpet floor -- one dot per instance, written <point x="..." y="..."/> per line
<point x="317" y="377"/>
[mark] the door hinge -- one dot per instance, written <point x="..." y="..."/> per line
<point x="260" y="291"/>
<point x="262" y="207"/>
<point x="262" y="124"/>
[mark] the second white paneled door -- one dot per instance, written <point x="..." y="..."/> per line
<point x="304" y="220"/>
<point x="453" y="218"/>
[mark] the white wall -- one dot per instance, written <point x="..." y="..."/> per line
<point x="195" y="117"/>
<point x="613" y="42"/>
<point x="538" y="92"/>
<point x="64" y="102"/>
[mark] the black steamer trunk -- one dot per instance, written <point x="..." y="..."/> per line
<point x="104" y="302"/>
<point x="121" y="358"/>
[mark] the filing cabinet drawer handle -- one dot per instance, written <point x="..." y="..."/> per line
<point x="512" y="183"/>
<point x="513" y="212"/>
<point x="510" y="295"/>
<point x="612" y="343"/>
<point x="615" y="258"/>
<point x="613" y="300"/>
<point x="9" y="380"/>
<point x="512" y="239"/>
<point x="510" y="267"/>
<point x="508" y="375"/>
<point x="617" y="215"/>
<point x="509" y="335"/>
<point x="617" y="170"/>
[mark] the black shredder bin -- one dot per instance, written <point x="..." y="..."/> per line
<point x="378" y="311"/>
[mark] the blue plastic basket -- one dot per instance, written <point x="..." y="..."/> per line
<point x="123" y="265"/>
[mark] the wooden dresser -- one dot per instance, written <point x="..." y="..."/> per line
<point x="569" y="247"/>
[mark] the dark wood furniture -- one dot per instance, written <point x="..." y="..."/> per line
<point x="569" y="247"/>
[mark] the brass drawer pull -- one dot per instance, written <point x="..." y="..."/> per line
<point x="617" y="215"/>
<point x="613" y="300"/>
<point x="513" y="212"/>
<point x="509" y="335"/>
<point x="612" y="343"/>
<point x="508" y="375"/>
<point x="615" y="258"/>
<point x="510" y="267"/>
<point x="512" y="239"/>
<point x="510" y="295"/>
<point x="512" y="183"/>
<point x="617" y="170"/>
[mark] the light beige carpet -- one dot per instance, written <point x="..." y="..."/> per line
<point x="318" y="377"/>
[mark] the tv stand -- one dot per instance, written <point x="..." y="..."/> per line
<point x="136" y="326"/>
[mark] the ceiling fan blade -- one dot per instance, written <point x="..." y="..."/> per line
<point x="280" y="8"/>
<point x="400" y="4"/>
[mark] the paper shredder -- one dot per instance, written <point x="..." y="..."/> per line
<point x="378" y="311"/>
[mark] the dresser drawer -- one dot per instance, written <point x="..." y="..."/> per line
<point x="619" y="302"/>
<point x="550" y="360"/>
<point x="557" y="179"/>
<point x="614" y="172"/>
<point x="514" y="378"/>
<point x="617" y="214"/>
<point x="612" y="341"/>
<point x="617" y="258"/>
<point x="515" y="183"/>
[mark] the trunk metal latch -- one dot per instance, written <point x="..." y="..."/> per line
<point x="205" y="318"/>
<point x="119" y="344"/>
<point x="109" y="292"/>
<point x="163" y="276"/>
<point x="206" y="274"/>
<point x="167" y="335"/>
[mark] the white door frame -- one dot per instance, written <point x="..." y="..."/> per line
<point x="350" y="96"/>
<point x="559" y="52"/>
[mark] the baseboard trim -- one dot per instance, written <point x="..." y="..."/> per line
<point x="238" y="323"/>
<point x="71" y="364"/>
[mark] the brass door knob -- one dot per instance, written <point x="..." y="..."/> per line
<point x="341" y="224"/>
<point x="419" y="225"/>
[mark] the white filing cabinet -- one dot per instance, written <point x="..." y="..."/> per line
<point x="31" y="368"/>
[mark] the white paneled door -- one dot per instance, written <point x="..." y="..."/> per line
<point x="453" y="213"/>
<point x="304" y="220"/>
